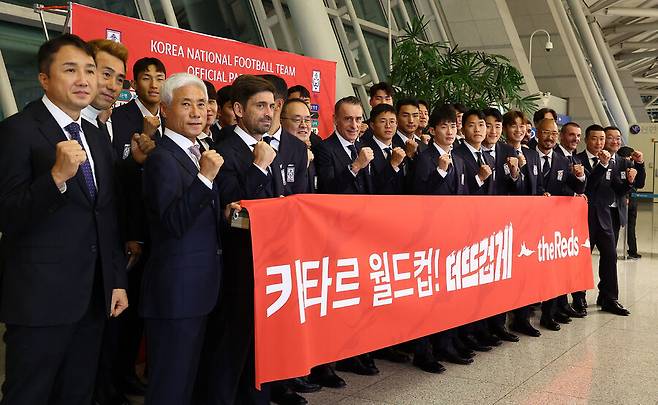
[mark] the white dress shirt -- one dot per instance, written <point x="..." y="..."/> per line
<point x="250" y="141"/>
<point x="185" y="144"/>
<point x="473" y="150"/>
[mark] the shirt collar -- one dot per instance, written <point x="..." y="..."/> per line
<point x="248" y="139"/>
<point x="203" y="135"/>
<point x="590" y="155"/>
<point x="485" y="149"/>
<point x="566" y="152"/>
<point x="439" y="149"/>
<point x="144" y="110"/>
<point x="471" y="148"/>
<point x="403" y="136"/>
<point x="381" y="144"/>
<point x="542" y="154"/>
<point x="90" y="114"/>
<point x="343" y="141"/>
<point x="277" y="134"/>
<point x="179" y="139"/>
<point x="60" y="116"/>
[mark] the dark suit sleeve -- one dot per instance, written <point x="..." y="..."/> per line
<point x="427" y="179"/>
<point x="329" y="177"/>
<point x="641" y="177"/>
<point x="301" y="184"/>
<point x="26" y="198"/>
<point x="175" y="210"/>
<point x="574" y="184"/>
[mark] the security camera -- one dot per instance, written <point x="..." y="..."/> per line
<point x="548" y="46"/>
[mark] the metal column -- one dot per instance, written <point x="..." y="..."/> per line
<point x="170" y="14"/>
<point x="362" y="41"/>
<point x="317" y="36"/>
<point x="599" y="68"/>
<point x="7" y="101"/>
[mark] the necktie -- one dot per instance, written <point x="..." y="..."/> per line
<point x="571" y="160"/>
<point x="353" y="153"/>
<point x="595" y="160"/>
<point x="103" y="127"/>
<point x="388" y="151"/>
<point x="268" y="139"/>
<point x="479" y="158"/>
<point x="195" y="150"/>
<point x="546" y="169"/>
<point x="74" y="130"/>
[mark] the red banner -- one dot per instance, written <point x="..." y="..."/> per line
<point x="217" y="60"/>
<point x="352" y="274"/>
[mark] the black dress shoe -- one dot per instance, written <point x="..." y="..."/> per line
<point x="282" y="394"/>
<point x="487" y="339"/>
<point x="368" y="361"/>
<point x="504" y="334"/>
<point x="132" y="385"/>
<point x="562" y="318"/>
<point x="569" y="311"/>
<point x="599" y="300"/>
<point x="325" y="376"/>
<point x="303" y="385"/>
<point x="473" y="344"/>
<point x="391" y="354"/>
<point x="356" y="366"/>
<point x="614" y="307"/>
<point x="549" y="324"/>
<point x="452" y="356"/>
<point x="429" y="366"/>
<point x="525" y="328"/>
<point x="579" y="308"/>
<point x="634" y="255"/>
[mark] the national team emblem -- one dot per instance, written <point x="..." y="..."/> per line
<point x="315" y="82"/>
<point x="113" y="35"/>
<point x="126" y="151"/>
<point x="290" y="174"/>
<point x="534" y="170"/>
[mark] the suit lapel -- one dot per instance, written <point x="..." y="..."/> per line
<point x="180" y="155"/>
<point x="94" y="140"/>
<point x="340" y="153"/>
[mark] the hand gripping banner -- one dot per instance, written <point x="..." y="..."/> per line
<point x="338" y="275"/>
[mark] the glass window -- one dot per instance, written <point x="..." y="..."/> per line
<point x="19" y="45"/>
<point x="370" y="10"/>
<point x="227" y="19"/>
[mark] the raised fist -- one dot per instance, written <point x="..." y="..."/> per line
<point x="151" y="124"/>
<point x="484" y="172"/>
<point x="363" y="160"/>
<point x="578" y="170"/>
<point x="397" y="156"/>
<point x="69" y="155"/>
<point x="630" y="175"/>
<point x="410" y="147"/>
<point x="444" y="162"/>
<point x="210" y="163"/>
<point x="604" y="157"/>
<point x="637" y="156"/>
<point x="264" y="155"/>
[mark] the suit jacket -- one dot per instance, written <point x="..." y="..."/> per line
<point x="293" y="162"/>
<point x="385" y="180"/>
<point x="471" y="170"/>
<point x="224" y="133"/>
<point x="183" y="272"/>
<point x="573" y="159"/>
<point x="332" y="166"/>
<point x="215" y="132"/>
<point x="53" y="243"/>
<point x="603" y="185"/>
<point x="560" y="180"/>
<point x="531" y="176"/>
<point x="639" y="182"/>
<point x="427" y="179"/>
<point x="503" y="184"/>
<point x="239" y="179"/>
<point x="409" y="164"/>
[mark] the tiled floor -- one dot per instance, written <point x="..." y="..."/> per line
<point x="602" y="359"/>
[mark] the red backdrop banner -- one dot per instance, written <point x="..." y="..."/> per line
<point x="217" y="60"/>
<point x="351" y="274"/>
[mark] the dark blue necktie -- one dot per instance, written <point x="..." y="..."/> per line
<point x="74" y="130"/>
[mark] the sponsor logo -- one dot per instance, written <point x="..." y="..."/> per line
<point x="113" y="35"/>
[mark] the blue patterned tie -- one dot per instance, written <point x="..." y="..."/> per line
<point x="74" y="130"/>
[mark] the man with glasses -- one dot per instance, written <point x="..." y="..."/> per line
<point x="296" y="119"/>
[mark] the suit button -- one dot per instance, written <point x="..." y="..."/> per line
<point x="93" y="248"/>
<point x="219" y="252"/>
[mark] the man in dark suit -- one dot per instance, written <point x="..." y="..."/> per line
<point x="225" y="115"/>
<point x="296" y="120"/>
<point x="501" y="154"/>
<point x="618" y="209"/>
<point x="558" y="177"/>
<point x="250" y="171"/>
<point x="137" y="127"/>
<point x="386" y="170"/>
<point x="342" y="163"/>
<point x="536" y="118"/>
<point x="60" y="253"/>
<point x="604" y="182"/>
<point x="380" y="93"/>
<point x="182" y="276"/>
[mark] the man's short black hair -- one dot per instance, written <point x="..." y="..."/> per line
<point x="280" y="86"/>
<point x="612" y="128"/>
<point x="423" y="102"/>
<point x="405" y="101"/>
<point x="246" y="86"/>
<point x="347" y="100"/>
<point x="212" y="93"/>
<point x="461" y="108"/>
<point x="593" y="128"/>
<point x="539" y="115"/>
<point x="142" y="65"/>
<point x="493" y="112"/>
<point x="468" y="113"/>
<point x="445" y="113"/>
<point x="381" y="86"/>
<point x="380" y="109"/>
<point x="224" y="95"/>
<point x="48" y="49"/>
<point x="298" y="88"/>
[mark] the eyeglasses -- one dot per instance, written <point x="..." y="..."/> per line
<point x="547" y="132"/>
<point x="298" y="120"/>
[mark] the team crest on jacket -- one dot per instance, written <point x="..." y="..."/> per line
<point x="126" y="151"/>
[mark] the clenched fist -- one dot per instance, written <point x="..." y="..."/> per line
<point x="309" y="157"/>
<point x="264" y="155"/>
<point x="424" y="138"/>
<point x="363" y="160"/>
<point x="522" y="160"/>
<point x="630" y="175"/>
<point x="210" y="163"/>
<point x="604" y="157"/>
<point x="513" y="164"/>
<point x="151" y="124"/>
<point x="637" y="156"/>
<point x="69" y="155"/>
<point x="397" y="156"/>
<point x="140" y="146"/>
<point x="484" y="172"/>
<point x="578" y="170"/>
<point x="410" y="147"/>
<point x="444" y="162"/>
